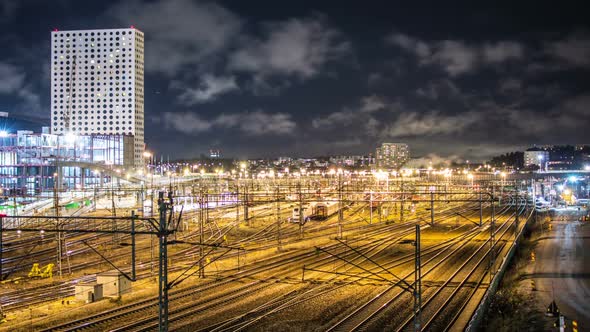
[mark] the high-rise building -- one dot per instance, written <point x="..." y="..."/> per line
<point x="97" y="85"/>
<point x="392" y="155"/>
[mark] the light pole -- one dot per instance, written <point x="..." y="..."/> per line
<point x="148" y="155"/>
<point x="470" y="177"/>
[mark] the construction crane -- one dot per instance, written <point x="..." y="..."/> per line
<point x="70" y="96"/>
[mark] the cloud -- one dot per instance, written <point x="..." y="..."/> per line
<point x="14" y="82"/>
<point x="358" y="114"/>
<point x="418" y="47"/>
<point x="8" y="8"/>
<point x="260" y="123"/>
<point x="188" y="123"/>
<point x="208" y="90"/>
<point x="510" y="84"/>
<point x="257" y="123"/>
<point x="439" y="89"/>
<point x="372" y="104"/>
<point x="359" y="119"/>
<point x="296" y="47"/>
<point x="454" y="56"/>
<point x="13" y="78"/>
<point x="178" y="32"/>
<point x="502" y="51"/>
<point x="573" y="50"/>
<point x="577" y="106"/>
<point x="412" y="124"/>
<point x="339" y="118"/>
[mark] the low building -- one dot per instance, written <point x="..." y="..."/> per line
<point x="114" y="284"/>
<point x="88" y="292"/>
<point x="560" y="165"/>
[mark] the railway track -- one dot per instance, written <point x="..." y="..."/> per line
<point x="370" y="315"/>
<point x="186" y="310"/>
<point x="290" y="298"/>
<point x="277" y="265"/>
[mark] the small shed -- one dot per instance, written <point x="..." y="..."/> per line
<point x="88" y="292"/>
<point x="113" y="283"/>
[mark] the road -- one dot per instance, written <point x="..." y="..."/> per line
<point x="562" y="268"/>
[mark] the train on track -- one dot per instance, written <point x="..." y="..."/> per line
<point x="315" y="211"/>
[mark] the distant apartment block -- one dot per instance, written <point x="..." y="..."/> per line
<point x="392" y="155"/>
<point x="537" y="157"/>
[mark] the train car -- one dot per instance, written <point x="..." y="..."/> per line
<point x="307" y="210"/>
<point x="373" y="199"/>
<point x="323" y="210"/>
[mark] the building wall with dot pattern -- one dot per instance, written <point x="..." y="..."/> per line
<point x="97" y="84"/>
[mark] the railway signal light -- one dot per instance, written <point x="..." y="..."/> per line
<point x="533" y="257"/>
<point x="552" y="309"/>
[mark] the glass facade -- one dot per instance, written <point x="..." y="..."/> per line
<point x="29" y="161"/>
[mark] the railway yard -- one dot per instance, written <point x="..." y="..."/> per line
<point x="325" y="254"/>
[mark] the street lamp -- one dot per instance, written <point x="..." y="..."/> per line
<point x="470" y="177"/>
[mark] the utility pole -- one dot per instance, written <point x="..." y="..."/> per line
<point x="417" y="283"/>
<point x="516" y="213"/>
<point x="163" y="262"/>
<point x="401" y="211"/>
<point x="279" y="221"/>
<point x="301" y="221"/>
<point x="238" y="204"/>
<point x="57" y="226"/>
<point x="246" y="198"/>
<point x="371" y="207"/>
<point x="204" y="201"/>
<point x="1" y="244"/>
<point x="431" y="207"/>
<point x="340" y="207"/>
<point x="480" y="209"/>
<point x="492" y="241"/>
<point x="114" y="224"/>
<point x="94" y="201"/>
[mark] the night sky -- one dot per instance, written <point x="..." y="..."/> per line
<point x="308" y="78"/>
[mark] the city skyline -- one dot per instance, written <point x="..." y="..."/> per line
<point x="307" y="80"/>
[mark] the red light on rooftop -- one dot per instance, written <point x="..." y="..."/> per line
<point x="132" y="27"/>
<point x="55" y="30"/>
